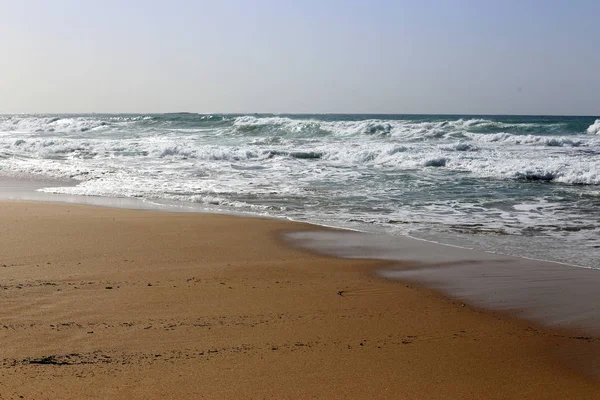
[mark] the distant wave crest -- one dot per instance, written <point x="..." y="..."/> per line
<point x="64" y="124"/>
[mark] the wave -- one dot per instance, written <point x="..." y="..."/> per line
<point x="407" y="154"/>
<point x="303" y="155"/>
<point x="250" y="125"/>
<point x="275" y="125"/>
<point x="93" y="147"/>
<point x="488" y="126"/>
<point x="435" y="172"/>
<point x="463" y="147"/>
<point x="436" y="162"/>
<point x="594" y="129"/>
<point x="518" y="163"/>
<point x="395" y="127"/>
<point x="143" y="179"/>
<point x="413" y="129"/>
<point x="552" y="141"/>
<point x="65" y="124"/>
<point x="570" y="171"/>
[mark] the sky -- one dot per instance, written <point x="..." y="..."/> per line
<point x="329" y="56"/>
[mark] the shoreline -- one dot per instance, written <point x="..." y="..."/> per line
<point x="536" y="291"/>
<point x="29" y="192"/>
<point x="217" y="306"/>
<point x="26" y="190"/>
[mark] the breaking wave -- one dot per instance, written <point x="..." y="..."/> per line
<point x="426" y="171"/>
<point x="594" y="129"/>
<point x="395" y="128"/>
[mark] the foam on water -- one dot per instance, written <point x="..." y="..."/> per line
<point x="594" y="129"/>
<point x="463" y="179"/>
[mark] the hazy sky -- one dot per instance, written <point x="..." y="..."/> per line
<point x="386" y="56"/>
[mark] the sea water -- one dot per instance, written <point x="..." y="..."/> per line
<point x="518" y="185"/>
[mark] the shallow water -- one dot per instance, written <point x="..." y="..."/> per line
<point x="552" y="294"/>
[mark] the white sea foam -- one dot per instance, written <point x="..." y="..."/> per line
<point x="470" y="175"/>
<point x="594" y="129"/>
<point x="63" y="124"/>
<point x="505" y="137"/>
<point x="506" y="163"/>
<point x="398" y="128"/>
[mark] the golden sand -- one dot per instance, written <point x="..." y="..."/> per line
<point x="110" y="303"/>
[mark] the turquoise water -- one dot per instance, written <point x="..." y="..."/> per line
<point x="512" y="184"/>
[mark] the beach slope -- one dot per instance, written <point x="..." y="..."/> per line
<point x="111" y="303"/>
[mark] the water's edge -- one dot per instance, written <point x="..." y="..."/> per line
<point x="553" y="294"/>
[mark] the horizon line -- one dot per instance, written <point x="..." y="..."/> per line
<point x="301" y="113"/>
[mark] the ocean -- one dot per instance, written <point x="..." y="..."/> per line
<point x="519" y="185"/>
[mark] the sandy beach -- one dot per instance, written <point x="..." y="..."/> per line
<point x="113" y="303"/>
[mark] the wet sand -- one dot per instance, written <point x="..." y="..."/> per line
<point x="112" y="303"/>
<point x="552" y="294"/>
